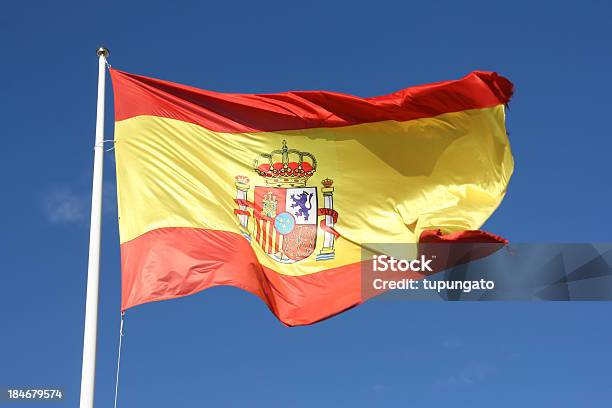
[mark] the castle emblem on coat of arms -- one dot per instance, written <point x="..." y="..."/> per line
<point x="283" y="218"/>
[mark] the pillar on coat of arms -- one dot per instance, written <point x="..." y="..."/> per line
<point x="242" y="189"/>
<point x="328" y="252"/>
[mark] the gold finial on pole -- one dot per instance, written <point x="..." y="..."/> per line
<point x="102" y="52"/>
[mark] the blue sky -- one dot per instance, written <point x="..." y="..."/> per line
<point x="222" y="348"/>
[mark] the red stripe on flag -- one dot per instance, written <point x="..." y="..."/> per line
<point x="168" y="263"/>
<point x="137" y="95"/>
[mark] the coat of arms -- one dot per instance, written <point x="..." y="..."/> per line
<point x="285" y="212"/>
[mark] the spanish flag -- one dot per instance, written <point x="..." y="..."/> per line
<point x="276" y="193"/>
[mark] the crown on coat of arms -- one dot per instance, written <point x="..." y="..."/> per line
<point x="285" y="167"/>
<point x="327" y="183"/>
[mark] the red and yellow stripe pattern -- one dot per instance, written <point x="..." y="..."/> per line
<point x="386" y="169"/>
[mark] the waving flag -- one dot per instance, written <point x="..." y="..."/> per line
<point x="276" y="193"/>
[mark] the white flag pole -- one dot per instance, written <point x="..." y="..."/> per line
<point x="88" y="372"/>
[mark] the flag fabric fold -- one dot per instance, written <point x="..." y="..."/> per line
<point x="276" y="193"/>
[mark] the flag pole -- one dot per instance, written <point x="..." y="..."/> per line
<point x="88" y="372"/>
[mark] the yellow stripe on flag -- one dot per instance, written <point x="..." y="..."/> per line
<point x="391" y="179"/>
